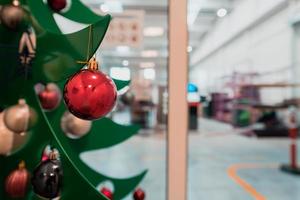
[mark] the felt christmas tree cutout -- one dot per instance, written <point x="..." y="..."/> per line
<point x="55" y="61"/>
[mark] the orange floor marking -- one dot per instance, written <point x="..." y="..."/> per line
<point x="232" y="173"/>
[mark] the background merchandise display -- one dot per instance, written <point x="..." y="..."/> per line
<point x="51" y="58"/>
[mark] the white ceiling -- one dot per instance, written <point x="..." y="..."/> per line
<point x="201" y="12"/>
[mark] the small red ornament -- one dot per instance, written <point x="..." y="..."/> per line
<point x="107" y="192"/>
<point x="90" y="94"/>
<point x="46" y="153"/>
<point x="44" y="157"/>
<point x="50" y="97"/>
<point x="17" y="182"/>
<point x="57" y="5"/>
<point x="139" y="194"/>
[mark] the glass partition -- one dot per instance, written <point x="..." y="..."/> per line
<point x="135" y="49"/>
<point x="243" y="99"/>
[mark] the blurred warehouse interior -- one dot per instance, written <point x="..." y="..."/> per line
<point x="243" y="85"/>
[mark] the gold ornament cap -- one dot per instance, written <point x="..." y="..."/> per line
<point x="22" y="102"/>
<point x="54" y="155"/>
<point x="16" y="2"/>
<point x="22" y="165"/>
<point x="93" y="64"/>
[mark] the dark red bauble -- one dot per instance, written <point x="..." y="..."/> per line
<point x="139" y="194"/>
<point x="90" y="94"/>
<point x="16" y="184"/>
<point x="57" y="5"/>
<point x="47" y="178"/>
<point x="107" y="192"/>
<point x="50" y="97"/>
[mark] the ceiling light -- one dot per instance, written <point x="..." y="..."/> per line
<point x="104" y="8"/>
<point x="222" y="12"/>
<point x="122" y="48"/>
<point x="189" y="49"/>
<point x="153" y="31"/>
<point x="147" y="64"/>
<point x="112" y="7"/>
<point x="125" y="62"/>
<point x="149" y="53"/>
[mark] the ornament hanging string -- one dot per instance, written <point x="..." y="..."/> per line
<point x="91" y="63"/>
<point x="97" y="88"/>
<point x="89" y="42"/>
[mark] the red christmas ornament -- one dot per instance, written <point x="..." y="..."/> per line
<point x="50" y="97"/>
<point x="45" y="157"/>
<point x="90" y="94"/>
<point x="46" y="153"/>
<point x="57" y="5"/>
<point x="139" y="194"/>
<point x="16" y="183"/>
<point x="107" y="192"/>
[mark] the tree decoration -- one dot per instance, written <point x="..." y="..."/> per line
<point x="55" y="61"/>
<point x="9" y="141"/>
<point x="73" y="126"/>
<point x="57" y="5"/>
<point x="11" y="16"/>
<point x="46" y="153"/>
<point x="19" y="118"/>
<point x="19" y="141"/>
<point x="17" y="182"/>
<point x="27" y="47"/>
<point x="47" y="177"/>
<point x="6" y="138"/>
<point x="139" y="194"/>
<point x="107" y="192"/>
<point x="50" y="97"/>
<point x="90" y="94"/>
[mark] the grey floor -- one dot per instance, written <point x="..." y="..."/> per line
<point x="212" y="151"/>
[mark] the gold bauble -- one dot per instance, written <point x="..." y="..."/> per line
<point x="19" y="118"/>
<point x="9" y="141"/>
<point x="12" y="15"/>
<point x="6" y="138"/>
<point x="74" y="127"/>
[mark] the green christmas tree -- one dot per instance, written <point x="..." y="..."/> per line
<point x="55" y="61"/>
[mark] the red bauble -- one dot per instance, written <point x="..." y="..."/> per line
<point x="107" y="192"/>
<point x="16" y="183"/>
<point x="46" y="153"/>
<point x="57" y="5"/>
<point x="90" y="94"/>
<point x="139" y="194"/>
<point x="50" y="97"/>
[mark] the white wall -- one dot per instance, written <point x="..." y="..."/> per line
<point x="256" y="37"/>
